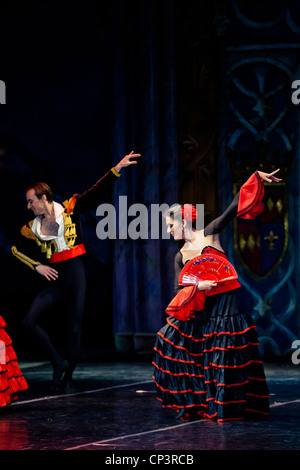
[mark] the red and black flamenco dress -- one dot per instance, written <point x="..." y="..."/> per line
<point x="206" y="360"/>
<point x="12" y="381"/>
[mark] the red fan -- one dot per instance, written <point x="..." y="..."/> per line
<point x="208" y="267"/>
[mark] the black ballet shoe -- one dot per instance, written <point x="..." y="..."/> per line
<point x="58" y="373"/>
<point x="188" y="414"/>
<point x="68" y="387"/>
<point x="181" y="413"/>
<point x="67" y="383"/>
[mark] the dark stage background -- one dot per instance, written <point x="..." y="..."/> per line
<point x="203" y="91"/>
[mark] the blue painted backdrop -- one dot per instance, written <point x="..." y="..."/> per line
<point x="88" y="83"/>
<point x="260" y="130"/>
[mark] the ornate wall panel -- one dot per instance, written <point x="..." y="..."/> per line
<point x="261" y="60"/>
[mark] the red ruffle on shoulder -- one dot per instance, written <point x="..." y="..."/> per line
<point x="251" y="196"/>
<point x="186" y="303"/>
<point x="11" y="379"/>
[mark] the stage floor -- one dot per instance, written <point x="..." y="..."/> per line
<point x="114" y="408"/>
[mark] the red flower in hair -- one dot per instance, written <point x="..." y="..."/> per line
<point x="189" y="212"/>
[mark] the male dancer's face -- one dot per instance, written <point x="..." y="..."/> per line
<point x="38" y="206"/>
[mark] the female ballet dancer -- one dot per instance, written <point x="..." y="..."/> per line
<point x="206" y="358"/>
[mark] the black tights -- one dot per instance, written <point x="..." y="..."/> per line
<point x="71" y="285"/>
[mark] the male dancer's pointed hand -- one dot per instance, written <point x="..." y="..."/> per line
<point x="126" y="161"/>
<point x="46" y="271"/>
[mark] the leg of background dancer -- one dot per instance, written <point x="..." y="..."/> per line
<point x="43" y="301"/>
<point x="76" y="303"/>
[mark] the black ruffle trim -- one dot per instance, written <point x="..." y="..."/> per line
<point x="215" y="366"/>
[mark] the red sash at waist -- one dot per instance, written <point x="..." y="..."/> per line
<point x="68" y="254"/>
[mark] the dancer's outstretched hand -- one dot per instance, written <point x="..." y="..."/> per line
<point x="269" y="177"/>
<point x="126" y="161"/>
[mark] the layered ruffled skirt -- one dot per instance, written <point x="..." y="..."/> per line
<point x="211" y="364"/>
<point x="11" y="379"/>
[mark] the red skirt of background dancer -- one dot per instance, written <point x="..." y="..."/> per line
<point x="11" y="379"/>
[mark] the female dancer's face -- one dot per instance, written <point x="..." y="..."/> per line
<point x="175" y="228"/>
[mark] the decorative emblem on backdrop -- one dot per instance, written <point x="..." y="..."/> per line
<point x="261" y="134"/>
<point x="261" y="243"/>
<point x="260" y="140"/>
